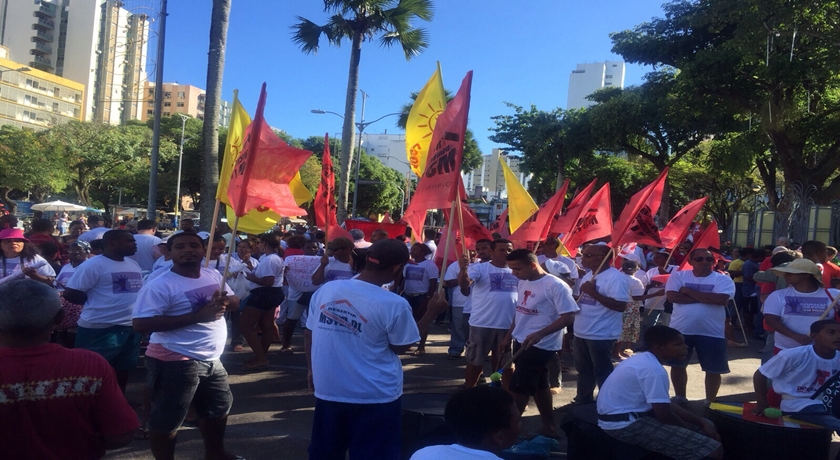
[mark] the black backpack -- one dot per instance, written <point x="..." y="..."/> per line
<point x="829" y="391"/>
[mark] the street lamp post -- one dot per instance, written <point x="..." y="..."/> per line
<point x="19" y="69"/>
<point x="180" y="162"/>
<point x="361" y="126"/>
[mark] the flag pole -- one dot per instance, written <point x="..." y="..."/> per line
<point x="461" y="224"/>
<point x="447" y="242"/>
<point x="230" y="252"/>
<point x="213" y="233"/>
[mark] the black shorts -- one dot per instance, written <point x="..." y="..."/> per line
<point x="531" y="372"/>
<point x="266" y="298"/>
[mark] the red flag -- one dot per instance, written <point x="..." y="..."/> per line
<point x="368" y="227"/>
<point x="709" y="239"/>
<point x="387" y="218"/>
<point x="500" y="225"/>
<point x="438" y="186"/>
<point x="263" y="170"/>
<point x="636" y="223"/>
<point x="677" y="229"/>
<point x="594" y="222"/>
<point x="473" y="231"/>
<point x="566" y="220"/>
<point x="536" y="227"/>
<point x="325" y="206"/>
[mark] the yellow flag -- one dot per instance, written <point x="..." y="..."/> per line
<point x="421" y="121"/>
<point x="261" y="219"/>
<point x="520" y="203"/>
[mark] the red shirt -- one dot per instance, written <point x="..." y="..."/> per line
<point x="55" y="403"/>
<point x="829" y="271"/>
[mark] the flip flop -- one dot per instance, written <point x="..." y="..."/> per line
<point x="419" y="352"/>
<point x="254" y="367"/>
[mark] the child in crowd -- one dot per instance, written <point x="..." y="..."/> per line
<point x="797" y="373"/>
<point x="634" y="405"/>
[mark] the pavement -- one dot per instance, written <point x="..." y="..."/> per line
<point x="272" y="410"/>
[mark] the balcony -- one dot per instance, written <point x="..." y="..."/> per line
<point x="41" y="36"/>
<point x="45" y="24"/>
<point x="41" y="49"/>
<point x="41" y="63"/>
<point x="47" y="9"/>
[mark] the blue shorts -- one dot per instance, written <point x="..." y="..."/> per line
<point x="711" y="352"/>
<point x="119" y="345"/>
<point x="365" y="430"/>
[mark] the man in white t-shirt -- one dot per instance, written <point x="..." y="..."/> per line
<point x="700" y="296"/>
<point x="484" y="421"/>
<point x="97" y="229"/>
<point x="355" y="333"/>
<point x="429" y="236"/>
<point x="183" y="310"/>
<point x="550" y="248"/>
<point x="299" y="276"/>
<point x="605" y="294"/>
<point x="634" y="407"/>
<point x="459" y="327"/>
<point x="655" y="303"/>
<point x="791" y="311"/>
<point x="107" y="286"/>
<point x="544" y="308"/>
<point x="338" y="266"/>
<point x="492" y="288"/>
<point x="797" y="373"/>
<point x="147" y="245"/>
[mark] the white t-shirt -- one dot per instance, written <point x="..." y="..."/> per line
<point x="145" y="255"/>
<point x="798" y="310"/>
<point x="160" y="263"/>
<point x="797" y="373"/>
<point x="452" y="452"/>
<point x="93" y="234"/>
<point x="270" y="265"/>
<point x="634" y="386"/>
<point x="637" y="287"/>
<point x="700" y="318"/>
<point x="458" y="299"/>
<point x="353" y="324"/>
<point x="7" y="266"/>
<point x="63" y="276"/>
<point x="418" y="276"/>
<point x="656" y="303"/>
<point x="594" y="321"/>
<point x="540" y="303"/>
<point x="431" y="245"/>
<point x="111" y="287"/>
<point x="493" y="295"/>
<point x="569" y="263"/>
<point x="337" y="270"/>
<point x="173" y="295"/>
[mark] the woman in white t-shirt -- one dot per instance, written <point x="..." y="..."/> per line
<point x="78" y="252"/>
<point x="18" y="256"/>
<point x="420" y="279"/>
<point x="266" y="296"/>
<point x="631" y="318"/>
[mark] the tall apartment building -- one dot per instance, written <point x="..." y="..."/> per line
<point x="100" y="43"/>
<point x="588" y="78"/>
<point x="489" y="178"/>
<point x="34" y="99"/>
<point x="388" y="148"/>
<point x="177" y="98"/>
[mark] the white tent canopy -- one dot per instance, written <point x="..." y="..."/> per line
<point x="57" y="206"/>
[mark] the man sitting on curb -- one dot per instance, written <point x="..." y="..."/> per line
<point x="634" y="405"/>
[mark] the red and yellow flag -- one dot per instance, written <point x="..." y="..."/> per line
<point x="420" y="125"/>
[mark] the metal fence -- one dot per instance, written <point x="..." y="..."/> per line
<point x="811" y="222"/>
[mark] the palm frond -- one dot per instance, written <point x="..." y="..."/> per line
<point x="307" y="35"/>
<point x="412" y="41"/>
<point x="338" y="28"/>
<point x="421" y="9"/>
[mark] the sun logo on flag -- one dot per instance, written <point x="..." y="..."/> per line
<point x="430" y="114"/>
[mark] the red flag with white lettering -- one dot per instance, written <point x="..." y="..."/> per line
<point x="677" y="229"/>
<point x="594" y="222"/>
<point x="325" y="207"/>
<point x="263" y="170"/>
<point x="566" y="220"/>
<point x="536" y="227"/>
<point x="636" y="225"/>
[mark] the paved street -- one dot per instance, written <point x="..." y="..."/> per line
<point x="272" y="410"/>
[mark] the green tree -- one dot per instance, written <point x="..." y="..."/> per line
<point x="385" y="195"/>
<point x="472" y="154"/>
<point x="772" y="63"/>
<point x="359" y="21"/>
<point x="27" y="167"/>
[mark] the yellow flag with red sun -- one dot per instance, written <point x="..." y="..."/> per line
<point x="421" y="121"/>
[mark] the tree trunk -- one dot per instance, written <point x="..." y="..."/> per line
<point x="348" y="132"/>
<point x="210" y="134"/>
<point x="561" y="172"/>
<point x="11" y="205"/>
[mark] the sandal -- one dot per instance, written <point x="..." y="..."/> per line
<point x="419" y="352"/>
<point x="141" y="434"/>
<point x="237" y="348"/>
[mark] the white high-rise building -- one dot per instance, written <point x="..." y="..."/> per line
<point x="388" y="148"/>
<point x="99" y="43"/>
<point x="489" y="178"/>
<point x="588" y="78"/>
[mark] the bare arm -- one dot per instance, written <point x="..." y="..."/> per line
<point x="437" y="305"/>
<point x="760" y="385"/>
<point x="590" y="288"/>
<point x="775" y="322"/>
<point x="319" y="277"/>
<point x="265" y="281"/>
<point x="464" y="280"/>
<point x="74" y="296"/>
<point x="564" y="320"/>
<point x="161" y="323"/>
<point x="706" y="297"/>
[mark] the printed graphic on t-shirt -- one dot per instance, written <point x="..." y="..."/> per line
<point x="9" y="267"/>
<point x="700" y="287"/>
<point x="126" y="282"/>
<point x="46" y="389"/>
<point x="200" y="297"/>
<point x="819" y="380"/>
<point x="333" y="275"/>
<point x="803" y="306"/>
<point x="586" y="299"/>
<point x="414" y="273"/>
<point x="341" y="316"/>
<point x="62" y="278"/>
<point x="503" y="282"/>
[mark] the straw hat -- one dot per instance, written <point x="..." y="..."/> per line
<point x="801" y="266"/>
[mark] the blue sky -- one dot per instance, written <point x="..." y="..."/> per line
<point x="520" y="51"/>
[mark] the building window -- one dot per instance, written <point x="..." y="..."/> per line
<point x="57" y="92"/>
<point x="182" y="95"/>
<point x="179" y="104"/>
<point x="55" y="106"/>
<point x="150" y="113"/>
<point x="167" y="95"/>
<point x="151" y="91"/>
<point x="29" y="116"/>
<point x="150" y="101"/>
<point x="30" y="83"/>
<point x="76" y="112"/>
<point x="31" y="100"/>
<point x="165" y="114"/>
<point x="167" y="104"/>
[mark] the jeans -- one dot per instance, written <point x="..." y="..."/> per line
<point x="460" y="330"/>
<point x="593" y="364"/>
<point x="368" y="431"/>
<point x="817" y="415"/>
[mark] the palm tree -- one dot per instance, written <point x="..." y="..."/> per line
<point x="359" y="21"/>
<point x="215" y="68"/>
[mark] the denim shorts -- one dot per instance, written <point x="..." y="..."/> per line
<point x="531" y="372"/>
<point x="711" y="352"/>
<point x="176" y="384"/>
<point x="119" y="345"/>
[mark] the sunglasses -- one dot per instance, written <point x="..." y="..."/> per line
<point x="701" y="259"/>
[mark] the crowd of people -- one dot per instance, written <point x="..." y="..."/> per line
<point x="77" y="310"/>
